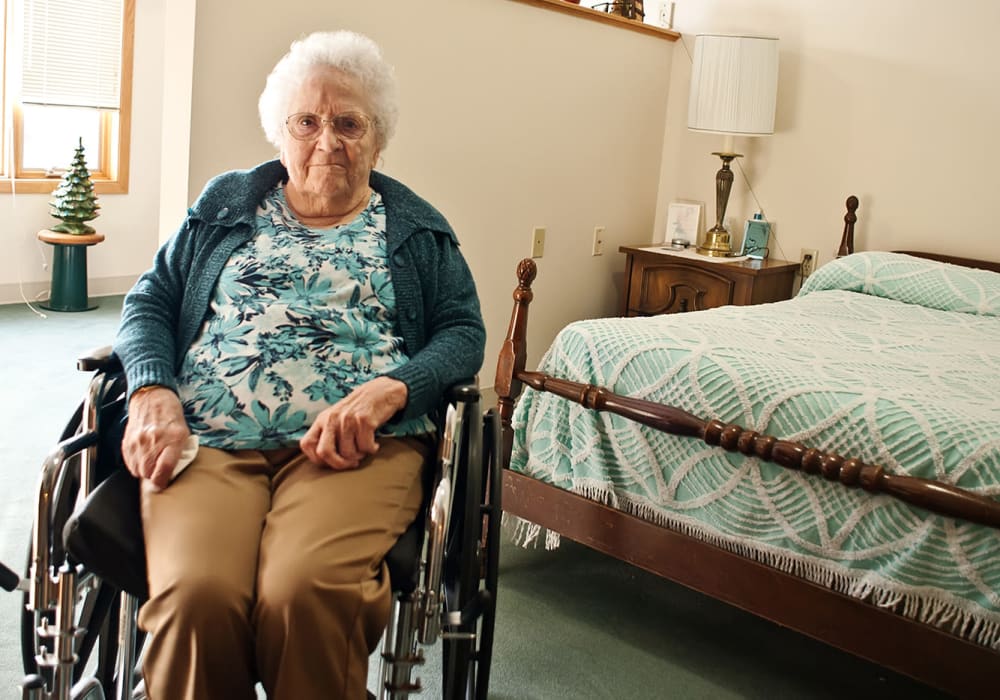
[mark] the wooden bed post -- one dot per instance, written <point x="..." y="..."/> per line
<point x="511" y="360"/>
<point x="850" y="218"/>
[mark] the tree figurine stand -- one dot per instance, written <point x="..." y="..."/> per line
<point x="74" y="204"/>
<point x="69" y="270"/>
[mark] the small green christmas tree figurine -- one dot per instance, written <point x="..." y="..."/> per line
<point x="74" y="201"/>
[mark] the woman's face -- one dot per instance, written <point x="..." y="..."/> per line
<point x="330" y="168"/>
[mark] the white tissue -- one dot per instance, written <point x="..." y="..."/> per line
<point x="188" y="453"/>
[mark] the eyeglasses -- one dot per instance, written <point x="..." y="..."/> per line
<point x="306" y="126"/>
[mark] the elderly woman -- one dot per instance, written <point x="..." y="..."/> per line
<point x="300" y="325"/>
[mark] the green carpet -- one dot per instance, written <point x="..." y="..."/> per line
<point x="571" y="623"/>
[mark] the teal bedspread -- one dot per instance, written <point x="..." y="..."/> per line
<point x="881" y="356"/>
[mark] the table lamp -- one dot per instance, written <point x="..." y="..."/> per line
<point x="734" y="85"/>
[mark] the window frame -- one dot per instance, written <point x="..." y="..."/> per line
<point x="105" y="181"/>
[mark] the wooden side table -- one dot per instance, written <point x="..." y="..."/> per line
<point x="657" y="282"/>
<point x="69" y="269"/>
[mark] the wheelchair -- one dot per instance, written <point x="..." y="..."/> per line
<point x="85" y="576"/>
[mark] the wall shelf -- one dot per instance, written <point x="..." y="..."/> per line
<point x="616" y="20"/>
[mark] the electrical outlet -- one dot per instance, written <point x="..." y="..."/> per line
<point x="667" y="15"/>
<point x="598" y="248"/>
<point x="808" y="262"/>
<point x="538" y="242"/>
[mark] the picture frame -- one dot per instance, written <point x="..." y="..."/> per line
<point x="756" y="238"/>
<point x="683" y="222"/>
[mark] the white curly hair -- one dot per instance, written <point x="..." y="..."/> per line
<point x="354" y="54"/>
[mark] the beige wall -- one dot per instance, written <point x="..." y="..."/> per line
<point x="511" y="117"/>
<point x="175" y="139"/>
<point x="895" y="101"/>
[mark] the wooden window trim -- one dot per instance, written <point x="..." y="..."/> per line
<point x="598" y="16"/>
<point x="22" y="173"/>
<point x="104" y="182"/>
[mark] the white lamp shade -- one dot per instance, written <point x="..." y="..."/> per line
<point x="734" y="84"/>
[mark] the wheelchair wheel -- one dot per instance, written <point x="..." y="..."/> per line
<point x="96" y="603"/>
<point x="64" y="497"/>
<point x="471" y="562"/>
<point x="492" y="487"/>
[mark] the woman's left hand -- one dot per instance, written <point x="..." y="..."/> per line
<point x="344" y="434"/>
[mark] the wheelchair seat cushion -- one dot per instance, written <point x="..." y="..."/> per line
<point x="105" y="534"/>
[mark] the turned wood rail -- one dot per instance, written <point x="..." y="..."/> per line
<point x="931" y="495"/>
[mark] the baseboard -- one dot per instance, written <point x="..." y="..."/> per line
<point x="33" y="292"/>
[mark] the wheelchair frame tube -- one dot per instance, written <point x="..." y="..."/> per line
<point x="126" y="660"/>
<point x="42" y="593"/>
<point x="437" y="531"/>
<point x="399" y="649"/>
<point x="88" y="424"/>
<point x="58" y="653"/>
<point x="440" y="516"/>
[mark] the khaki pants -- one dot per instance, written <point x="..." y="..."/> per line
<point x="265" y="566"/>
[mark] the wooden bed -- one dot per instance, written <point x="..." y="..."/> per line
<point x="902" y="644"/>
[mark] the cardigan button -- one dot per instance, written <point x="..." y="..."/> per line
<point x="222" y="213"/>
<point x="399" y="259"/>
<point x="411" y="314"/>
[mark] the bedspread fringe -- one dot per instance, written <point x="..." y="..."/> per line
<point x="924" y="608"/>
<point x="527" y="534"/>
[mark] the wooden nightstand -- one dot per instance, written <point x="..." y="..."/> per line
<point x="657" y="282"/>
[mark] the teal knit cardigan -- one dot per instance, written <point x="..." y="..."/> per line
<point x="438" y="314"/>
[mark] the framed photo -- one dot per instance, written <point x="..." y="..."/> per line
<point x="683" y="222"/>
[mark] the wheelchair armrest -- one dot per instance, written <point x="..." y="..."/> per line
<point x="466" y="390"/>
<point x="99" y="359"/>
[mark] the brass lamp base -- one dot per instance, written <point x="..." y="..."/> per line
<point x="717" y="244"/>
<point x="717" y="241"/>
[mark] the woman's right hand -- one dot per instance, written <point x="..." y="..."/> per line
<point x="154" y="435"/>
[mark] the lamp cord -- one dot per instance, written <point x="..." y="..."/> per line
<point x="11" y="173"/>
<point x="760" y="208"/>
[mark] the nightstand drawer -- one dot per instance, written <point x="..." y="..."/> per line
<point x="671" y="288"/>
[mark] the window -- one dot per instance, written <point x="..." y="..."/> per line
<point x="67" y="80"/>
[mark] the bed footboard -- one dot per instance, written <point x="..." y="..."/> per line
<point x="931" y="495"/>
<point x="928" y="494"/>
